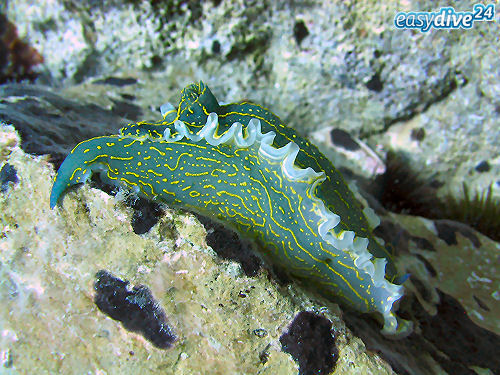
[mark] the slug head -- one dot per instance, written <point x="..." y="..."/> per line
<point x="197" y="102"/>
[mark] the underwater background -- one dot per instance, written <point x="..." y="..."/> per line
<point x="108" y="284"/>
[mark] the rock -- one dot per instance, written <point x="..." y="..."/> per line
<point x="350" y="69"/>
<point x="323" y="67"/>
<point x="49" y="259"/>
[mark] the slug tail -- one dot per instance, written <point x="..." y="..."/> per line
<point x="78" y="166"/>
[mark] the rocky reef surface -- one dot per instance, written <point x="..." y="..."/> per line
<point x="338" y="72"/>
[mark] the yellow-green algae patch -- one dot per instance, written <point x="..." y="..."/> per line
<point x="48" y="262"/>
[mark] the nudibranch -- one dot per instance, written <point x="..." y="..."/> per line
<point x="240" y="165"/>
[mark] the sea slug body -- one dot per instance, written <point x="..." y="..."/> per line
<point x="240" y="165"/>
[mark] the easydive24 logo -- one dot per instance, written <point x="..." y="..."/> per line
<point x="446" y="18"/>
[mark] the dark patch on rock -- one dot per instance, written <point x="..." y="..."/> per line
<point x="447" y="230"/>
<point x="428" y="266"/>
<point x="96" y="182"/>
<point x="135" y="308"/>
<point x="228" y="245"/>
<point x="446" y="233"/>
<point x="282" y="275"/>
<point x="310" y="342"/>
<point x="128" y="97"/>
<point x="300" y="31"/>
<point x="449" y="332"/>
<point x="417" y="134"/>
<point x="260" y="332"/>
<point x="423" y="243"/>
<point x="436" y="184"/>
<point x="483" y="166"/>
<point x="421" y="288"/>
<point x="50" y="124"/>
<point x="375" y="84"/>
<point x="216" y="47"/>
<point x="117" y="81"/>
<point x="264" y="354"/>
<point x="341" y="138"/>
<point x="126" y="109"/>
<point x="146" y="214"/>
<point x="453" y="333"/>
<point x="8" y="176"/>
<point x="157" y="63"/>
<point x="481" y="304"/>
